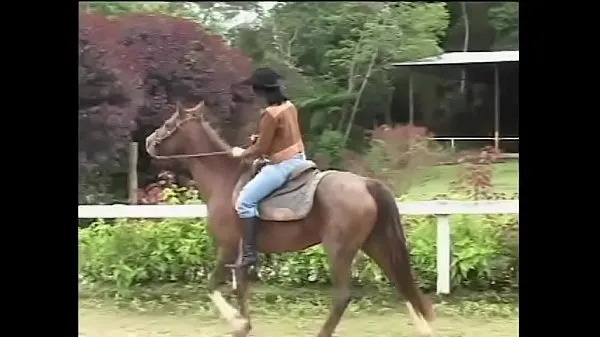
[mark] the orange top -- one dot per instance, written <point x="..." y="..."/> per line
<point x="279" y="136"/>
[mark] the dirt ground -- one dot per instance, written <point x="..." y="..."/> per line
<point x="124" y="323"/>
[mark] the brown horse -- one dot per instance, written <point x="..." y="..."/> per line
<point x="349" y="213"/>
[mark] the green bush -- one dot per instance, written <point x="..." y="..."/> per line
<point x="137" y="252"/>
<point x="483" y="256"/>
<point x="397" y="156"/>
<point x="133" y="252"/>
<point x="327" y="149"/>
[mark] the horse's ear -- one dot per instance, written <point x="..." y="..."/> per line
<point x="198" y="109"/>
<point x="180" y="109"/>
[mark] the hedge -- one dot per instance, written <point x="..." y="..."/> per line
<point x="127" y="253"/>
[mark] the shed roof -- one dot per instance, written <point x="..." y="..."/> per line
<point x="465" y="58"/>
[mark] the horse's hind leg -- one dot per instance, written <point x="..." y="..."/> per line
<point x="378" y="250"/>
<point x="340" y="259"/>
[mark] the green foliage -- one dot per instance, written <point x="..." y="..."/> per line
<point x="343" y="35"/>
<point x="136" y="252"/>
<point x="478" y="251"/>
<point x="180" y="9"/>
<point x="214" y="16"/>
<point x="132" y="252"/>
<point x="180" y="195"/>
<point x="397" y="156"/>
<point x="474" y="178"/>
<point x="340" y="46"/>
<point x="327" y="149"/>
<point x="324" y="109"/>
<point x="504" y="17"/>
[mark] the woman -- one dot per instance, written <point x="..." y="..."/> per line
<point x="279" y="140"/>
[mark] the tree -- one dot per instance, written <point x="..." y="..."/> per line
<point x="134" y="68"/>
<point x="505" y="19"/>
<point x="112" y="9"/>
<point x="213" y="16"/>
<point x="465" y="15"/>
<point x="347" y="43"/>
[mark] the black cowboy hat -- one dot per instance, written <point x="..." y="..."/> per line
<point x="264" y="77"/>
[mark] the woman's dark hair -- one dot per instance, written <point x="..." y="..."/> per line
<point x="266" y="83"/>
<point x="272" y="95"/>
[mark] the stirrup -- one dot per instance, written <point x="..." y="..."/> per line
<point x="238" y="261"/>
<point x="238" y="269"/>
<point x="240" y="265"/>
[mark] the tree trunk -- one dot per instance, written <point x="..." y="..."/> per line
<point x="288" y="52"/>
<point x="358" y="97"/>
<point x="133" y="177"/>
<point x="350" y="88"/>
<point x="465" y="15"/>
<point x="391" y="89"/>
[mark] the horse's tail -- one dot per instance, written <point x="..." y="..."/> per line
<point x="389" y="228"/>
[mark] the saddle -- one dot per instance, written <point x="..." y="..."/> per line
<point x="292" y="201"/>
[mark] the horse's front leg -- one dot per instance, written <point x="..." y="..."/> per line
<point x="217" y="278"/>
<point x="240" y="324"/>
<point x="242" y="291"/>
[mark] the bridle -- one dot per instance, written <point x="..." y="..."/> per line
<point x="163" y="133"/>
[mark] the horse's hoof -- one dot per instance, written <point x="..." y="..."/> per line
<point x="241" y="327"/>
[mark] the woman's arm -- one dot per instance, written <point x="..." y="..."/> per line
<point x="266" y="131"/>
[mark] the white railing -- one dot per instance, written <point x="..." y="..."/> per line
<point x="441" y="208"/>
<point x="453" y="140"/>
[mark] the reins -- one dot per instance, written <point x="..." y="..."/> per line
<point x="168" y="133"/>
<point x="195" y="155"/>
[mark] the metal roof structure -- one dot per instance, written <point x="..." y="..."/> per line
<point x="465" y="58"/>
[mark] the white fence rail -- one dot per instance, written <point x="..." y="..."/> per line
<point x="441" y="208"/>
<point x="453" y="140"/>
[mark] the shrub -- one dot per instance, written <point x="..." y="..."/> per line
<point x="327" y="149"/>
<point x="475" y="175"/>
<point x="134" y="252"/>
<point x="479" y="251"/>
<point x="167" y="191"/>
<point x="132" y="69"/>
<point x="397" y="156"/>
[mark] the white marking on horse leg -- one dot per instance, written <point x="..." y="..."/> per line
<point x="422" y="326"/>
<point x="238" y="260"/>
<point x="228" y="312"/>
<point x="233" y="279"/>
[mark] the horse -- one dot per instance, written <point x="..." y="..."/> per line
<point x="342" y="211"/>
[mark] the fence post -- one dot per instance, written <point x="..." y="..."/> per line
<point x="133" y="178"/>
<point x="443" y="254"/>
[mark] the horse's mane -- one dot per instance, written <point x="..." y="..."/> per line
<point x="214" y="137"/>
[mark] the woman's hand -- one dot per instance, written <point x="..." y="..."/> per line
<point x="237" y="152"/>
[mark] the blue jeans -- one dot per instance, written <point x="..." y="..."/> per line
<point x="270" y="178"/>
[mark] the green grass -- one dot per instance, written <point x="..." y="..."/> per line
<point x="436" y="180"/>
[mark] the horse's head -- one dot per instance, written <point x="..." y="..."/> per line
<point x="184" y="135"/>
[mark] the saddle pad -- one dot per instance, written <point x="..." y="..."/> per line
<point x="294" y="200"/>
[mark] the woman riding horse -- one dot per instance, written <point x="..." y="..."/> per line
<point x="279" y="140"/>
